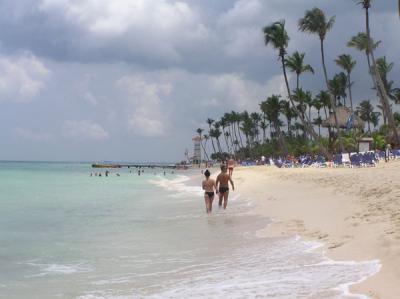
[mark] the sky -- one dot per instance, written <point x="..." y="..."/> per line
<point x="132" y="80"/>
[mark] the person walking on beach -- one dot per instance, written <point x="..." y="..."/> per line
<point x="231" y="165"/>
<point x="222" y="183"/>
<point x="387" y="152"/>
<point x="209" y="187"/>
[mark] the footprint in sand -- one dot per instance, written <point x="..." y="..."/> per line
<point x="336" y="245"/>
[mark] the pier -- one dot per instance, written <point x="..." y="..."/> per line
<point x="128" y="165"/>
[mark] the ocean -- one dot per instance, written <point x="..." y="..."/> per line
<point x="66" y="234"/>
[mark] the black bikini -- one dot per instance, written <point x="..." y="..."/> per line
<point x="210" y="194"/>
<point x="222" y="190"/>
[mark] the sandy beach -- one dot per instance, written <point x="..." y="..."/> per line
<point x="354" y="212"/>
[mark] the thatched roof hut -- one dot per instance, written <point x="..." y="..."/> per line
<point x="343" y="115"/>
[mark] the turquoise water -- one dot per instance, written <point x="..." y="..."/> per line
<point x="65" y="234"/>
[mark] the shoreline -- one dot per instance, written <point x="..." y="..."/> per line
<point x="354" y="213"/>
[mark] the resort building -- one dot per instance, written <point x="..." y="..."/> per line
<point x="196" y="159"/>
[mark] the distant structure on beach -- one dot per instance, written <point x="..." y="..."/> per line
<point x="196" y="159"/>
<point x="346" y="119"/>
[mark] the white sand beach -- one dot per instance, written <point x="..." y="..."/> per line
<point x="354" y="212"/>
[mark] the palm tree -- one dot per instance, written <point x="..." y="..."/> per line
<point x="276" y="35"/>
<point x="210" y="122"/>
<point x="246" y="127"/>
<point x="309" y="102"/>
<point x="366" y="4"/>
<point x="223" y="122"/>
<point x="217" y="134"/>
<point x="375" y="119"/>
<point x="347" y="63"/>
<point x="318" y="106"/>
<point x="200" y="132"/>
<point x="289" y="113"/>
<point x="295" y="64"/>
<point x="272" y="107"/>
<point x="236" y="119"/>
<point x="396" y="95"/>
<point x="324" y="98"/>
<point x="256" y="118"/>
<point x="315" y="22"/>
<point x="318" y="122"/>
<point x="337" y="87"/>
<point x="360" y="42"/>
<point x="206" y="138"/>
<point x="366" y="112"/>
<point x="302" y="98"/>
<point x="263" y="126"/>
<point x="384" y="68"/>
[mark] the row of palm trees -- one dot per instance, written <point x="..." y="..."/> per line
<point x="276" y="121"/>
<point x="300" y="104"/>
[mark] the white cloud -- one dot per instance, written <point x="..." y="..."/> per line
<point x="276" y="85"/>
<point x="242" y="13"/>
<point x="21" y="77"/>
<point x="232" y="90"/>
<point x="148" y="118"/>
<point x="144" y="26"/>
<point x="90" y="98"/>
<point x="31" y="135"/>
<point x="84" y="129"/>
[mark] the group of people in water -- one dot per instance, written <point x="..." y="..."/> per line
<point x="139" y="172"/>
<point x="219" y="186"/>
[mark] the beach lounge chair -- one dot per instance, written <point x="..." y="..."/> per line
<point x="356" y="160"/>
<point x="368" y="159"/>
<point x="337" y="160"/>
<point x="381" y="155"/>
<point x="320" y="162"/>
<point x="396" y="154"/>
<point x="278" y="163"/>
<point x="346" y="159"/>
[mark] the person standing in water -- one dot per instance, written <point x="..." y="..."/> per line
<point x="222" y="183"/>
<point x="231" y="165"/>
<point x="208" y="186"/>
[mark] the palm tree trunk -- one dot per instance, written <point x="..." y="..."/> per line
<point x="213" y="146"/>
<point x="298" y="81"/>
<point x="281" y="139"/>
<point x="350" y="93"/>
<point x="379" y="84"/>
<point x="333" y="104"/>
<point x="219" y="145"/>
<point x="204" y="150"/>
<point x="304" y="122"/>
<point x="234" y="132"/>
<point x="233" y="146"/>
<point x="270" y="130"/>
<point x="226" y="140"/>
<point x="319" y="124"/>
<point x="240" y="136"/>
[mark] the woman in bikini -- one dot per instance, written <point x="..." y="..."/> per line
<point x="209" y="188"/>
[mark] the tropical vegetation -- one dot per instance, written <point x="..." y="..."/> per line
<point x="322" y="122"/>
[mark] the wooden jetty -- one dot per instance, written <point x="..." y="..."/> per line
<point x="163" y="166"/>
